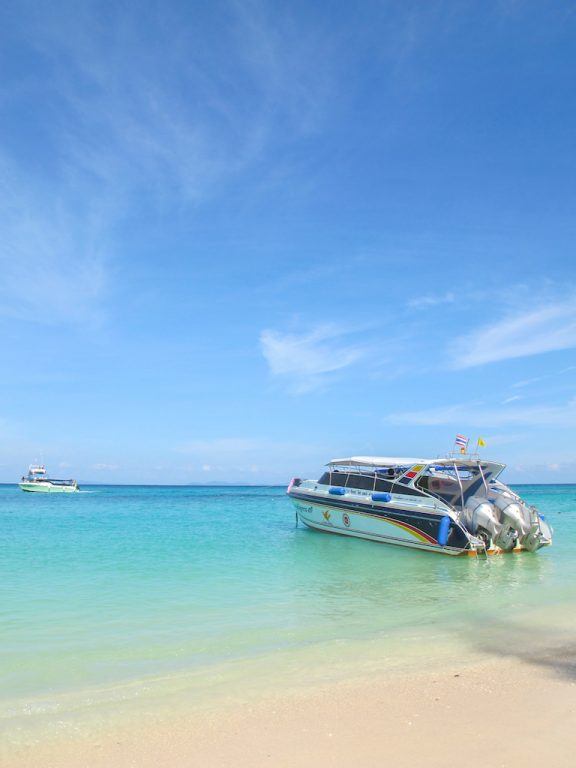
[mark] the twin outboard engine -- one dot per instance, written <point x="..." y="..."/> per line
<point x="506" y="520"/>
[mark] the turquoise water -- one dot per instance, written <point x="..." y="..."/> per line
<point x="127" y="593"/>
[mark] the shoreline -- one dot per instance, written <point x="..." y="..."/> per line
<point x="486" y="675"/>
<point x="497" y="712"/>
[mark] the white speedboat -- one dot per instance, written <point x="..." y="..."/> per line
<point x="455" y="505"/>
<point x="37" y="480"/>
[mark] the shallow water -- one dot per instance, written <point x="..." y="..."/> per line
<point x="135" y="593"/>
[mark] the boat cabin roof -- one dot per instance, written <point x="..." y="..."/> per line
<point x="381" y="462"/>
<point x="376" y="461"/>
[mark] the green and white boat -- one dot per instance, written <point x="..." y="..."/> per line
<point x="38" y="481"/>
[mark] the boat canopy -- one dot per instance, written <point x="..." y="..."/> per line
<point x="447" y="463"/>
<point x="377" y="461"/>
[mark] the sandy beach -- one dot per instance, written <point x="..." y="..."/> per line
<point x="502" y="713"/>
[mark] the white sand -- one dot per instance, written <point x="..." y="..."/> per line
<point x="498" y="714"/>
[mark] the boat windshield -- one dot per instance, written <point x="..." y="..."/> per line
<point x="455" y="484"/>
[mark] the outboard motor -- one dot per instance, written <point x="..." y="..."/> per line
<point x="539" y="535"/>
<point x="479" y="516"/>
<point x="507" y="538"/>
<point x="531" y="529"/>
<point x="516" y="521"/>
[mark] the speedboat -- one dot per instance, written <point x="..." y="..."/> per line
<point x="37" y="480"/>
<point x="454" y="505"/>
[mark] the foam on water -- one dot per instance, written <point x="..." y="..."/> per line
<point x="147" y="594"/>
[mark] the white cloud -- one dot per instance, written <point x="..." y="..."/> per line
<point x="247" y="454"/>
<point x="537" y="379"/>
<point x="306" y="360"/>
<point x="105" y="467"/>
<point x="222" y="445"/>
<point x="527" y="472"/>
<point x="511" y="399"/>
<point x="531" y="332"/>
<point x="420" y="302"/>
<point x="464" y="415"/>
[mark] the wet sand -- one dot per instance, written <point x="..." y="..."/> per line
<point x="499" y="713"/>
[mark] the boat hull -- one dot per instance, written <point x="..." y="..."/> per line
<point x="47" y="488"/>
<point x="390" y="526"/>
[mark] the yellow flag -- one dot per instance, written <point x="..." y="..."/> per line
<point x="481" y="443"/>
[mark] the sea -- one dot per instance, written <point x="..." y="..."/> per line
<point x="127" y="600"/>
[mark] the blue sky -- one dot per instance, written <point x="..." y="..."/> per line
<point x="242" y="238"/>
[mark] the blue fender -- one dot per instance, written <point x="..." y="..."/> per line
<point x="337" y="491"/>
<point x="444" y="530"/>
<point x="381" y="497"/>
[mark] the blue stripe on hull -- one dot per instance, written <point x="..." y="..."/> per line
<point x="424" y="525"/>
<point x="355" y="534"/>
<point x="376" y="509"/>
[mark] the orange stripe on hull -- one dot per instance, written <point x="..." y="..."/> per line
<point x="414" y="531"/>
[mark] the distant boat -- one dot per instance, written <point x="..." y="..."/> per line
<point x="37" y="480"/>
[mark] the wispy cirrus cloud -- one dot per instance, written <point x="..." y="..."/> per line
<point x="222" y="446"/>
<point x="537" y="379"/>
<point x="53" y="256"/>
<point x="151" y="100"/>
<point x="104" y="467"/>
<point x="511" y="399"/>
<point x="130" y="110"/>
<point x="306" y="361"/>
<point x="464" y="415"/>
<point x="432" y="300"/>
<point x="235" y="457"/>
<point x="549" y="327"/>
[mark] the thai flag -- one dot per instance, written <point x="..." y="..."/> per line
<point x="462" y="441"/>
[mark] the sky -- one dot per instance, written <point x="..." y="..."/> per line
<point x="239" y="239"/>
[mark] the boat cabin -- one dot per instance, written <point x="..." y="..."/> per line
<point x="451" y="480"/>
